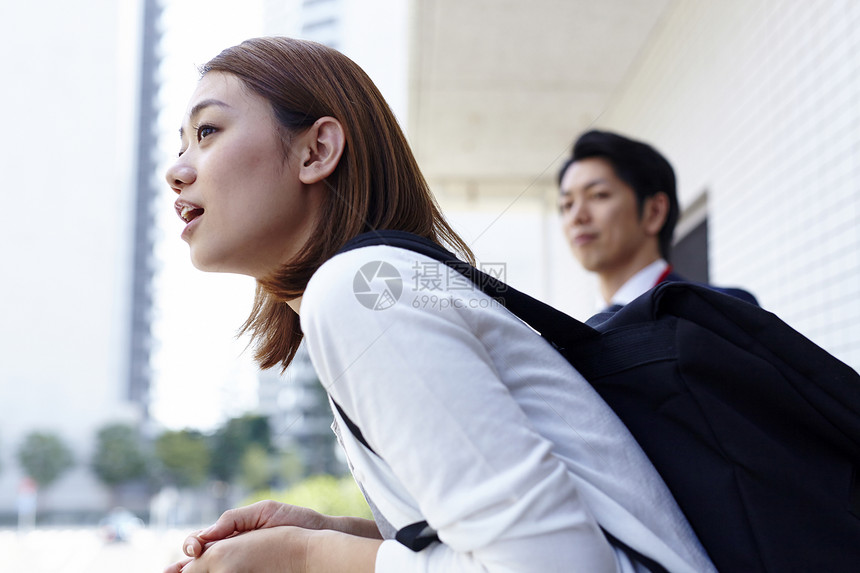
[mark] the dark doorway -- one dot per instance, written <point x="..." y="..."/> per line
<point x="690" y="253"/>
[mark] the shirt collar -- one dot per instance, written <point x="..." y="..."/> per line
<point x="640" y="283"/>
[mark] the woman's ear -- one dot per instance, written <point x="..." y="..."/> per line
<point x="322" y="147"/>
<point x="655" y="212"/>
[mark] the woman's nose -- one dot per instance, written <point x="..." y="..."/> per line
<point x="180" y="175"/>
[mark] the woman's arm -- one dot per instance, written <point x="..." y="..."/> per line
<point x="334" y="552"/>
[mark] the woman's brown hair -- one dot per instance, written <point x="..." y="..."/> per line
<point x="376" y="185"/>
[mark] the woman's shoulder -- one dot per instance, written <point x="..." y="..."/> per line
<point x="360" y="271"/>
<point x="346" y="264"/>
<point x="387" y="282"/>
<point x="372" y="278"/>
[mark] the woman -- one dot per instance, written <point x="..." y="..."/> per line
<point x="471" y="421"/>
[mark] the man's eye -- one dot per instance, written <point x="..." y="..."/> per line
<point x="565" y="206"/>
<point x="204" y="131"/>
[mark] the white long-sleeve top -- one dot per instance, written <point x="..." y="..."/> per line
<point x="481" y="428"/>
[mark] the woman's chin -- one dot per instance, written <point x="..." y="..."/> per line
<point x="210" y="266"/>
<point x="207" y="265"/>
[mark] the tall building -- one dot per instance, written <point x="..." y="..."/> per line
<point x="146" y="190"/>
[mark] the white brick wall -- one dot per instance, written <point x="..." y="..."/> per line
<point x="758" y="102"/>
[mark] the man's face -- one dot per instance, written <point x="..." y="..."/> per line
<point x="601" y="219"/>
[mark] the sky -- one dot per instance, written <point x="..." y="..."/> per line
<point x="201" y="372"/>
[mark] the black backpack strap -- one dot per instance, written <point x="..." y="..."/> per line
<point x="649" y="563"/>
<point x="355" y="430"/>
<point x="419" y="535"/>
<point x="625" y="348"/>
<point x="557" y="327"/>
<point x="416" y="536"/>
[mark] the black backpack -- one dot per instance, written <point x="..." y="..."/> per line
<point x="753" y="427"/>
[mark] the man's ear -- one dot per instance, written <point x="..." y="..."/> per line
<point x="321" y="149"/>
<point x="654" y="212"/>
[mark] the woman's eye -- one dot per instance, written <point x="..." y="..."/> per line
<point x="204" y="131"/>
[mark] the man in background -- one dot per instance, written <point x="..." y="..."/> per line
<point x="619" y="207"/>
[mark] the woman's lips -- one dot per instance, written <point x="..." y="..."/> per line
<point x="187" y="211"/>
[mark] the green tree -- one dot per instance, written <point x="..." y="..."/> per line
<point x="45" y="457"/>
<point x="183" y="456"/>
<point x="256" y="468"/>
<point x="232" y="440"/>
<point x="324" y="493"/>
<point x="120" y="456"/>
<point x="289" y="468"/>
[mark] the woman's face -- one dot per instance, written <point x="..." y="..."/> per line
<point x="244" y="207"/>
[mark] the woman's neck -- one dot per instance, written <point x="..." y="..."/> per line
<point x="295" y="304"/>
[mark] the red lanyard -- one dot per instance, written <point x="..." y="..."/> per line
<point x="664" y="274"/>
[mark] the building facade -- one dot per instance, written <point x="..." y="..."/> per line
<point x="754" y="103"/>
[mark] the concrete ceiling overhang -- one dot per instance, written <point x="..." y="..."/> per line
<point x="500" y="88"/>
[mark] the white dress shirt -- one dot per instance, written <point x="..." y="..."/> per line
<point x="640" y="283"/>
<point x="482" y="429"/>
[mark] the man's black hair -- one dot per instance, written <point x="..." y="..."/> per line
<point x="640" y="166"/>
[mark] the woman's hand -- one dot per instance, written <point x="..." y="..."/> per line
<point x="284" y="549"/>
<point x="266" y="514"/>
<point x="261" y="515"/>
<point x="268" y="550"/>
<point x="269" y="520"/>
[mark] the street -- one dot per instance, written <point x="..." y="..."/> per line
<point x="83" y="550"/>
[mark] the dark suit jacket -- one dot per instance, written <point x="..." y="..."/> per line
<point x="675" y="277"/>
<point x="735" y="292"/>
